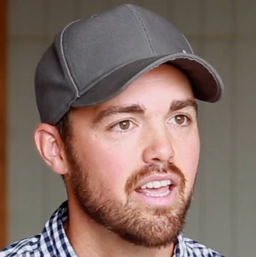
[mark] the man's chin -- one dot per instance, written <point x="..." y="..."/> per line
<point x="153" y="228"/>
<point x="156" y="234"/>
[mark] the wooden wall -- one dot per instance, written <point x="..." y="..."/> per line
<point x="3" y="46"/>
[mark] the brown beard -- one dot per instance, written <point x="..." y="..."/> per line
<point x="132" y="221"/>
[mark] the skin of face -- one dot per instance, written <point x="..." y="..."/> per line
<point x="148" y="132"/>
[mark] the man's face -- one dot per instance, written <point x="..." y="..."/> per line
<point x="133" y="159"/>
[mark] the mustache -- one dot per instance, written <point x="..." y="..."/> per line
<point x="150" y="169"/>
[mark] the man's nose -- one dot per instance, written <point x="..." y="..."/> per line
<point x="159" y="148"/>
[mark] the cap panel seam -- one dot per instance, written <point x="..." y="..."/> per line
<point x="137" y="15"/>
<point x="65" y="60"/>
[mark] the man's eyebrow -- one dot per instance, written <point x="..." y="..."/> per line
<point x="180" y="104"/>
<point x="137" y="108"/>
<point x="134" y="108"/>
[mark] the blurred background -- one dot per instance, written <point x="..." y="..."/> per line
<point x="222" y="32"/>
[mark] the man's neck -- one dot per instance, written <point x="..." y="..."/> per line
<point x="90" y="239"/>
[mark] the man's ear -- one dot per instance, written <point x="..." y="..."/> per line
<point x="51" y="148"/>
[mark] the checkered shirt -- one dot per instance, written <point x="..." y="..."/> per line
<point x="53" y="242"/>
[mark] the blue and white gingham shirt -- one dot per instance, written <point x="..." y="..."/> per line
<point x="54" y="242"/>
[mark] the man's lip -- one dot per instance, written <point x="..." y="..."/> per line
<point x="157" y="177"/>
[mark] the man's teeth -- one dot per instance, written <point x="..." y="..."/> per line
<point x="159" y="194"/>
<point x="157" y="184"/>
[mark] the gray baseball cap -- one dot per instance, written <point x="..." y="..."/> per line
<point x="92" y="60"/>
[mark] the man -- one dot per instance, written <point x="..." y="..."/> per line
<point x="116" y="96"/>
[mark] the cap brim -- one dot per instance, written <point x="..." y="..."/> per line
<point x="206" y="82"/>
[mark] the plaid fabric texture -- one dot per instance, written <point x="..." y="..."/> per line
<point x="53" y="242"/>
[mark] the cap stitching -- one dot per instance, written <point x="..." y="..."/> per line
<point x="188" y="44"/>
<point x="136" y="13"/>
<point x="170" y="59"/>
<point x="210" y="70"/>
<point x="64" y="57"/>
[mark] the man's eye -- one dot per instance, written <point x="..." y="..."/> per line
<point x="179" y="120"/>
<point x="123" y="125"/>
